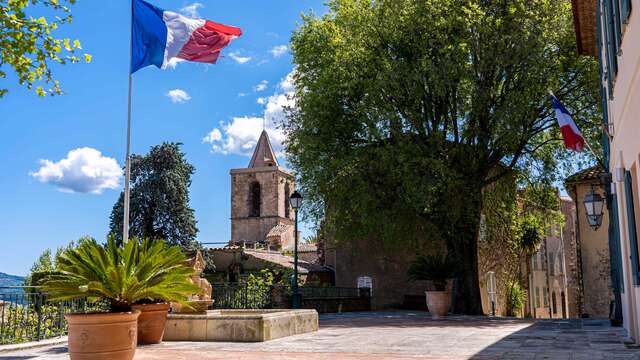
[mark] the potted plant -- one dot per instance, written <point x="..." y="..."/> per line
<point x="438" y="269"/>
<point x="120" y="276"/>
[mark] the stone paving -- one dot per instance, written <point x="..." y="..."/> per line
<point x="404" y="336"/>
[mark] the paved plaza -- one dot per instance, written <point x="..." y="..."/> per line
<point x="404" y="335"/>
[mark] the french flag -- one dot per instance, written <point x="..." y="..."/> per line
<point x="572" y="136"/>
<point x="159" y="36"/>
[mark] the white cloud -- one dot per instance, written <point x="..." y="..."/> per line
<point x="213" y="136"/>
<point x="242" y="94"/>
<point x="279" y="50"/>
<point x="286" y="84"/>
<point x="262" y="86"/>
<point x="178" y="96"/>
<point x="84" y="170"/>
<point x="239" y="59"/>
<point x="191" y="10"/>
<point x="240" y="135"/>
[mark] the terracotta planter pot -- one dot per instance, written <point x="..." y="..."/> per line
<point x="109" y="336"/>
<point x="151" y="322"/>
<point x="438" y="303"/>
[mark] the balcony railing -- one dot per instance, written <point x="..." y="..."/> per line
<point x="28" y="315"/>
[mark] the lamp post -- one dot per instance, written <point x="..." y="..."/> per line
<point x="594" y="206"/>
<point x="296" y="201"/>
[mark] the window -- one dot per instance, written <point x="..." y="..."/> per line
<point x="612" y="16"/>
<point x="287" y="204"/>
<point x="625" y="10"/>
<point x="537" y="297"/>
<point x="560" y="263"/>
<point x="543" y="262"/>
<point x="254" y="199"/>
<point x="552" y="264"/>
<point x="554" y="303"/>
<point x="545" y="296"/>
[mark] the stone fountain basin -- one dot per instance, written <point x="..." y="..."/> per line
<point x="240" y="325"/>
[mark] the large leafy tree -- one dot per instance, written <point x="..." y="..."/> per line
<point x="407" y="110"/>
<point x="27" y="44"/>
<point x="159" y="207"/>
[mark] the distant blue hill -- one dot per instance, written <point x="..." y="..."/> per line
<point x="10" y="280"/>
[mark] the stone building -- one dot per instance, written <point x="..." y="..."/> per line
<point x="595" y="283"/>
<point x="553" y="276"/>
<point x="260" y="209"/>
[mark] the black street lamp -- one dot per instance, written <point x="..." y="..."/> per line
<point x="296" y="201"/>
<point x="594" y="205"/>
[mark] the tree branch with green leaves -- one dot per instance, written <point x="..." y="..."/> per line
<point x="29" y="48"/>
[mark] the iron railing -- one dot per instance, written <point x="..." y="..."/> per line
<point x="27" y="315"/>
<point x="240" y="296"/>
<point x="331" y="292"/>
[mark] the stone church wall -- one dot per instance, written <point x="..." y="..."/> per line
<point x="272" y="182"/>
<point x="386" y="265"/>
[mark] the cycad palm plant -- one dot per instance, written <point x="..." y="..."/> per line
<point x="138" y="271"/>
<point x="437" y="267"/>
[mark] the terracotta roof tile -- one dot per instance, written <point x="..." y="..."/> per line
<point x="285" y="261"/>
<point x="592" y="173"/>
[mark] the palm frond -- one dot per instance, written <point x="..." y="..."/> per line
<point x="140" y="270"/>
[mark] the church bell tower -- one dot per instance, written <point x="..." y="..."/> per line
<point x="260" y="210"/>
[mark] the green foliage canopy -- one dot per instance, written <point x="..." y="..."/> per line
<point x="28" y="46"/>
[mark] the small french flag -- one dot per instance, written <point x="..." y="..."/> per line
<point x="572" y="136"/>
<point x="159" y="36"/>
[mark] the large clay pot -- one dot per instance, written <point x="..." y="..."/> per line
<point x="438" y="303"/>
<point x="151" y="322"/>
<point x="108" y="336"/>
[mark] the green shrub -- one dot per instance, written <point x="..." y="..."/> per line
<point x="515" y="298"/>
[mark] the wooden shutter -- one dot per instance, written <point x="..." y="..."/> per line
<point x="631" y="225"/>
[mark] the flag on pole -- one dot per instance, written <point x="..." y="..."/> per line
<point x="159" y="35"/>
<point x="572" y="136"/>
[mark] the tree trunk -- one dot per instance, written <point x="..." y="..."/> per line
<point x="468" y="300"/>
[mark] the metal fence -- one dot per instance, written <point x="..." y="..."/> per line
<point x="240" y="296"/>
<point x="330" y="292"/>
<point x="28" y="315"/>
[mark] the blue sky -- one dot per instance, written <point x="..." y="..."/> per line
<point x="49" y="145"/>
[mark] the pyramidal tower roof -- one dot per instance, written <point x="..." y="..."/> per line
<point x="263" y="155"/>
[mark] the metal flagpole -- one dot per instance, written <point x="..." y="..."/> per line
<point x="127" y="166"/>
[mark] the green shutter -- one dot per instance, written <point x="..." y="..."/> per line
<point x="625" y="10"/>
<point x="631" y="225"/>
<point x="610" y="51"/>
<point x="614" y="245"/>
